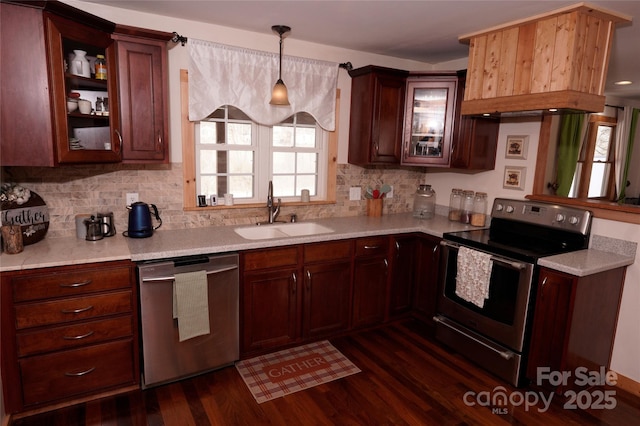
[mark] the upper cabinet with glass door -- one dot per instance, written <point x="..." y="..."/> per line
<point x="84" y="103"/>
<point x="429" y="117"/>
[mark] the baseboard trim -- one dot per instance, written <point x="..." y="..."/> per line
<point x="628" y="385"/>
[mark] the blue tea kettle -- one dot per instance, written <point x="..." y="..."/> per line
<point x="140" y="225"/>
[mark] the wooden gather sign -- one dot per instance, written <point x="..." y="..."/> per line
<point x="28" y="210"/>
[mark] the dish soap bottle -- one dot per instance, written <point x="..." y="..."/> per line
<point x="424" y="203"/>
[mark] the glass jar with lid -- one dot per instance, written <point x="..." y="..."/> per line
<point x="455" y="204"/>
<point x="101" y="67"/>
<point x="424" y="203"/>
<point x="479" y="215"/>
<point x="467" y="206"/>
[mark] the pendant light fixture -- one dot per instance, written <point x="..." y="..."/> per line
<point x="279" y="94"/>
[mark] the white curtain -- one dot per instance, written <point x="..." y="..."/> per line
<point x="226" y="75"/>
<point x="623" y="127"/>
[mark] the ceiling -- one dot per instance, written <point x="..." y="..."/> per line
<point x="421" y="30"/>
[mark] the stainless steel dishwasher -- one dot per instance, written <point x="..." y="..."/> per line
<point x="164" y="357"/>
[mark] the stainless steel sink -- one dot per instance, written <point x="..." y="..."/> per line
<point x="265" y="232"/>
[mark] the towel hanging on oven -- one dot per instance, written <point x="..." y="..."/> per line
<point x="474" y="276"/>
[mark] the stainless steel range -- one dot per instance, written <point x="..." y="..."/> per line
<point x="486" y="293"/>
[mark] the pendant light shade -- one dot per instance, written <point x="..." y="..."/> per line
<point x="279" y="95"/>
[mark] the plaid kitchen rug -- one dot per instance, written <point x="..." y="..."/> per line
<point x="291" y="370"/>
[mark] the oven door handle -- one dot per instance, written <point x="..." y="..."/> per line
<point x="173" y="277"/>
<point x="504" y="354"/>
<point x="513" y="264"/>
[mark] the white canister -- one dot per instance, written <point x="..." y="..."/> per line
<point x="80" y="65"/>
<point x="81" y="228"/>
<point x="228" y="199"/>
<point x="84" y="106"/>
<point x="304" y="196"/>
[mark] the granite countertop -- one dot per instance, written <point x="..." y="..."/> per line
<point x="586" y="262"/>
<point x="220" y="239"/>
<point x="209" y="240"/>
<point x="66" y="251"/>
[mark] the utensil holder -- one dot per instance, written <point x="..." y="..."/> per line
<point x="12" y="239"/>
<point x="374" y="207"/>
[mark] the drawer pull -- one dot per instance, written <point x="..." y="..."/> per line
<point x="77" y="311"/>
<point x="78" y="337"/>
<point x="371" y="247"/>
<point x="74" y="285"/>
<point x="79" y="374"/>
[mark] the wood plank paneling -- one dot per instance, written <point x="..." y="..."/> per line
<point x="600" y="63"/>
<point x="545" y="45"/>
<point x="557" y="53"/>
<point x="491" y="64"/>
<point x="507" y="62"/>
<point x="562" y="64"/>
<point x="524" y="59"/>
<point x="589" y="55"/>
<point x="475" y="70"/>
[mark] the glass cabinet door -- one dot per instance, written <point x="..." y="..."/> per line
<point x="85" y="104"/>
<point x="428" y="126"/>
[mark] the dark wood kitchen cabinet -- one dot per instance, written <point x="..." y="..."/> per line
<point x="413" y="119"/>
<point x="327" y="288"/>
<point x="68" y="334"/>
<point x="404" y="251"/>
<point x="429" y="119"/>
<point x="427" y="270"/>
<point x="436" y="135"/>
<point x="475" y="138"/>
<point x="377" y="109"/>
<point x="370" y="280"/>
<point x="271" y="298"/>
<point x="38" y="129"/>
<point x="295" y="293"/>
<point x="143" y="91"/>
<point x="574" y="324"/>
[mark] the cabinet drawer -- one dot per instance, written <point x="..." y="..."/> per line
<point x="72" y="309"/>
<point x="272" y="258"/>
<point x="61" y="284"/>
<point x="72" y="336"/>
<point x="334" y="250"/>
<point x="69" y="373"/>
<point x="372" y="246"/>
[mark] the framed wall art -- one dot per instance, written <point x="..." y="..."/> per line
<point x="517" y="147"/>
<point x="514" y="177"/>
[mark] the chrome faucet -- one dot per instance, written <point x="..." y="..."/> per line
<point x="274" y="211"/>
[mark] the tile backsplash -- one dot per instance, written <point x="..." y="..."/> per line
<point x="72" y="190"/>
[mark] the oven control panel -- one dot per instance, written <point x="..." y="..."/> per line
<point x="545" y="214"/>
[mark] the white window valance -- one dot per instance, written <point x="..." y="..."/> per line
<point x="226" y="75"/>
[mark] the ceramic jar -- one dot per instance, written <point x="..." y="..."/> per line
<point x="80" y="64"/>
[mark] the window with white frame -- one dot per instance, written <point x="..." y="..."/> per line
<point x="237" y="156"/>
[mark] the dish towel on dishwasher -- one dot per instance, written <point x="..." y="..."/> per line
<point x="474" y="276"/>
<point x="191" y="304"/>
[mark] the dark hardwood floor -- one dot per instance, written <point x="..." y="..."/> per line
<point x="406" y="379"/>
